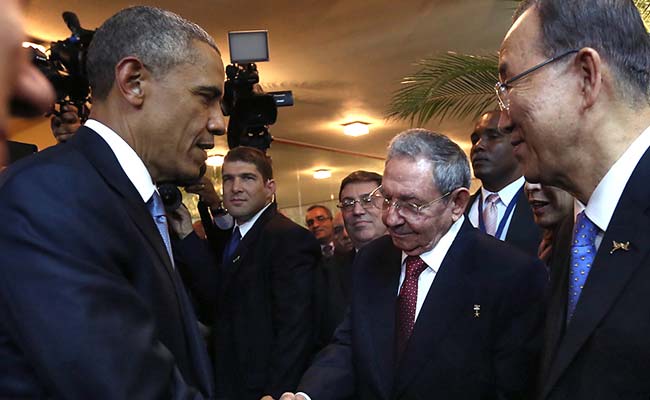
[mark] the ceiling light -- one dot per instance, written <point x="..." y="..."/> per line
<point x="322" y="174"/>
<point x="215" y="160"/>
<point x="37" y="46"/>
<point x="356" y="128"/>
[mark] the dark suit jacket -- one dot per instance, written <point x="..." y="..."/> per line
<point x="522" y="233"/>
<point x="332" y="294"/>
<point x="90" y="305"/>
<point x="604" y="353"/>
<point x="451" y="354"/>
<point x="260" y="304"/>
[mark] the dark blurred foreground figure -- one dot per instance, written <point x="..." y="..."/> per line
<point x="19" y="80"/>
<point x="551" y="206"/>
<point x="574" y="87"/>
<point x="256" y="291"/>
<point x="92" y="303"/>
<point x="439" y="310"/>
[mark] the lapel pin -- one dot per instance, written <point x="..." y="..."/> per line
<point x="619" y="246"/>
<point x="477" y="310"/>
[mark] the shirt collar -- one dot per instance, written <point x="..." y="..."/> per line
<point x="604" y="199"/>
<point x="246" y="226"/>
<point x="433" y="258"/>
<point x="128" y="159"/>
<point x="507" y="193"/>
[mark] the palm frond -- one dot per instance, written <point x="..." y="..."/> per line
<point x="451" y="85"/>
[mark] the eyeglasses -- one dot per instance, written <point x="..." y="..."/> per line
<point x="365" y="201"/>
<point x="404" y="208"/>
<point x="501" y="88"/>
<point x="320" y="218"/>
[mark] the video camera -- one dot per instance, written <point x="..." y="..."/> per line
<point x="65" y="67"/>
<point x="251" y="110"/>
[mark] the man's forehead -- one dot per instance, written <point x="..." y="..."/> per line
<point x="522" y="38"/>
<point x="230" y="167"/>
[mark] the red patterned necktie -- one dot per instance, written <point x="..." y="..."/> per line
<point x="407" y="301"/>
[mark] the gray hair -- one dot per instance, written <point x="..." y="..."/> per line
<point x="159" y="39"/>
<point x="450" y="165"/>
<point x="614" y="28"/>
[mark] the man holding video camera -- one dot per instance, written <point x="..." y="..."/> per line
<point x="92" y="303"/>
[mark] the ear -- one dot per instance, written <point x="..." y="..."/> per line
<point x="131" y="78"/>
<point x="590" y="68"/>
<point x="270" y="187"/>
<point x="458" y="202"/>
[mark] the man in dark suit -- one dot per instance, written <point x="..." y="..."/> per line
<point x="334" y="276"/>
<point x="439" y="310"/>
<point x="499" y="208"/>
<point x="258" y="292"/>
<point x="92" y="306"/>
<point x="577" y="105"/>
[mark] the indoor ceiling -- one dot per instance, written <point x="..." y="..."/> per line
<point x="341" y="59"/>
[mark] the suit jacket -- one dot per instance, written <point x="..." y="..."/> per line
<point x="522" y="233"/>
<point x="604" y="353"/>
<point x="452" y="354"/>
<point x="260" y="306"/>
<point x="332" y="294"/>
<point x="90" y="305"/>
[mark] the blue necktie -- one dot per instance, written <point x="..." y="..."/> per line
<point x="157" y="210"/>
<point x="583" y="253"/>
<point x="232" y="245"/>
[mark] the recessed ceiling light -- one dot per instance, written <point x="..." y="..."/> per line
<point x="356" y="128"/>
<point x="322" y="174"/>
<point x="215" y="160"/>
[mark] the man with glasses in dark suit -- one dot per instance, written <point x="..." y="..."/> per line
<point x="574" y="87"/>
<point x="439" y="309"/>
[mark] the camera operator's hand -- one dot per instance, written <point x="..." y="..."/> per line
<point x="205" y="190"/>
<point x="65" y="125"/>
<point x="180" y="221"/>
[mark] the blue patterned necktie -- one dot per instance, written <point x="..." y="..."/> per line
<point x="232" y="245"/>
<point x="583" y="253"/>
<point x="157" y="210"/>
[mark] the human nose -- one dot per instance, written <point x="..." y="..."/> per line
<point x="390" y="215"/>
<point x="505" y="122"/>
<point x="216" y="121"/>
<point x="357" y="208"/>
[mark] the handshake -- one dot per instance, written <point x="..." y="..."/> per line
<point x="288" y="396"/>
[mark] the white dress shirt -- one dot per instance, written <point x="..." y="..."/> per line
<point x="604" y="199"/>
<point x="246" y="226"/>
<point x="433" y="258"/>
<point x="128" y="159"/>
<point x="506" y="195"/>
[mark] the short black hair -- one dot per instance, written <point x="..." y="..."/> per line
<point x="360" y="176"/>
<point x="253" y="156"/>
<point x="614" y="28"/>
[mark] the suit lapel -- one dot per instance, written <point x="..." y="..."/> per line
<point x="102" y="158"/>
<point x="611" y="271"/>
<point x="442" y="306"/>
<point x="245" y="249"/>
<point x="379" y="312"/>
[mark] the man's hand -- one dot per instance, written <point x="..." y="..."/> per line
<point x="65" y="125"/>
<point x="205" y="190"/>
<point x="180" y="221"/>
<point x="292" y="396"/>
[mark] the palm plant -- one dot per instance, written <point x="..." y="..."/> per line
<point x="455" y="85"/>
